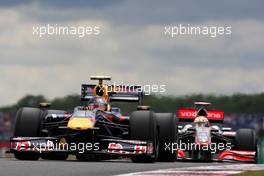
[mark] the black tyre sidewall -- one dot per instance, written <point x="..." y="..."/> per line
<point x="28" y="124"/>
<point x="143" y="126"/>
<point x="245" y="140"/>
<point x="168" y="135"/>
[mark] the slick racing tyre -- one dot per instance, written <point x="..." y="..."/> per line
<point x="54" y="156"/>
<point x="168" y="134"/>
<point x="143" y="126"/>
<point x="245" y="140"/>
<point x="28" y="124"/>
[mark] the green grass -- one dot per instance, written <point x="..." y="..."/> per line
<point x="252" y="173"/>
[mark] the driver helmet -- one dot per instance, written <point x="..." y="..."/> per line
<point x="97" y="103"/>
<point x="201" y="121"/>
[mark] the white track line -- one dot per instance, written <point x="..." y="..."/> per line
<point x="222" y="170"/>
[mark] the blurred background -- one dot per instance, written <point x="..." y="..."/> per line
<point x="131" y="47"/>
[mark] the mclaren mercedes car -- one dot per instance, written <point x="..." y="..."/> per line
<point x="95" y="130"/>
<point x="202" y="137"/>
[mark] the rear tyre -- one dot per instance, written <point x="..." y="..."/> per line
<point x="143" y="126"/>
<point x="28" y="124"/>
<point x="168" y="136"/>
<point x="245" y="140"/>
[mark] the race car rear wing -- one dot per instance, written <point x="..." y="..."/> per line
<point x="187" y="115"/>
<point x="117" y="93"/>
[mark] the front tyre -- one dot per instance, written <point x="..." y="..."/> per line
<point x="28" y="124"/>
<point x="143" y="126"/>
<point x="245" y="140"/>
<point x="168" y="136"/>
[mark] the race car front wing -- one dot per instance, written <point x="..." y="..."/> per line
<point x="56" y="145"/>
<point x="226" y="155"/>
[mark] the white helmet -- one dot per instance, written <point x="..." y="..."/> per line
<point x="201" y="121"/>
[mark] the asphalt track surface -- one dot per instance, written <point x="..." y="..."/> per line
<point x="13" y="167"/>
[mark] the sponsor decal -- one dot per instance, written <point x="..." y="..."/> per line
<point x="192" y="114"/>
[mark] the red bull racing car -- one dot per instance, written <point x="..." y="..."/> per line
<point x="95" y="130"/>
<point x="205" y="139"/>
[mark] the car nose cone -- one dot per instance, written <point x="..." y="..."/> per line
<point x="77" y="123"/>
